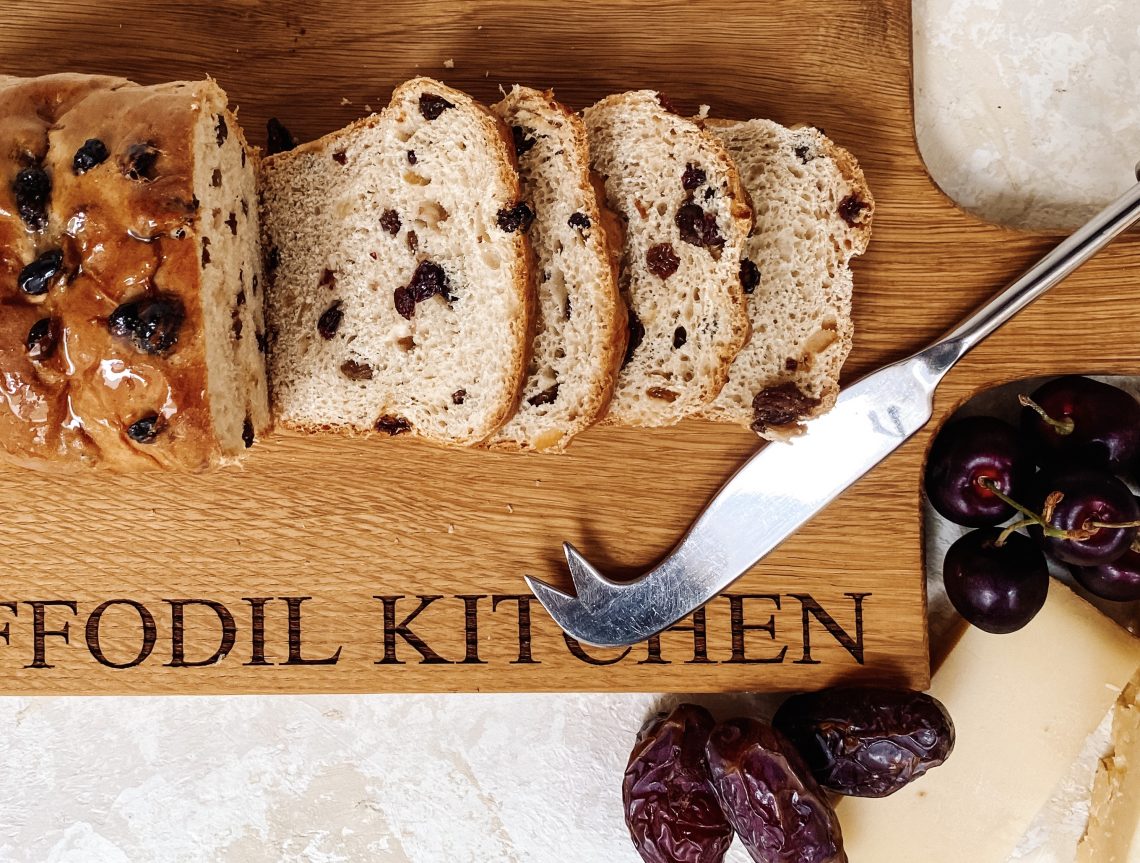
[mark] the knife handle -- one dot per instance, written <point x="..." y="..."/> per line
<point x="1043" y="275"/>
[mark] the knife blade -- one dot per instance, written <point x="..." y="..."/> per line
<point x="785" y="484"/>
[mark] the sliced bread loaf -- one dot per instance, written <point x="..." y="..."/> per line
<point x="580" y="331"/>
<point x="686" y="219"/>
<point x="400" y="296"/>
<point x="813" y="214"/>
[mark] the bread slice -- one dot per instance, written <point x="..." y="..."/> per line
<point x="129" y="246"/>
<point x="581" y="330"/>
<point x="686" y="218"/>
<point x="813" y="214"/>
<point x="401" y="298"/>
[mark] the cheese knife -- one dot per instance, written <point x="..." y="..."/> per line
<point x="785" y="484"/>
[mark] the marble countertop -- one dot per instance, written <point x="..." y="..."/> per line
<point x="1027" y="113"/>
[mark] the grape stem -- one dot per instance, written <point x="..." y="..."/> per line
<point x="1032" y="518"/>
<point x="1111" y="525"/>
<point x="1016" y="526"/>
<point x="1062" y="427"/>
<point x="1051" y="501"/>
<point x="991" y="486"/>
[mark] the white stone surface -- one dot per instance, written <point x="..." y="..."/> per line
<point x="1028" y="112"/>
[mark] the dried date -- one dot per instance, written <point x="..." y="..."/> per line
<point x="867" y="741"/>
<point x="670" y="808"/>
<point x="769" y="796"/>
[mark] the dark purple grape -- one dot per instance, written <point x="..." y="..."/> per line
<point x="867" y="741"/>
<point x="670" y="808"/>
<point x="1087" y="495"/>
<point x="770" y="797"/>
<point x="996" y="588"/>
<point x="1118" y="581"/>
<point x="965" y="453"/>
<point x="1105" y="424"/>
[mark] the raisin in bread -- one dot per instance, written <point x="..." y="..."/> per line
<point x="581" y="330"/>
<point x="129" y="245"/>
<point x="400" y="295"/>
<point x="686" y="219"/>
<point x="813" y="214"/>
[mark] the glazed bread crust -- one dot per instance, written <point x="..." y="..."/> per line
<point x="120" y="348"/>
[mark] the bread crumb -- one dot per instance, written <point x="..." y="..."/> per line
<point x="451" y="528"/>
<point x="487" y="74"/>
<point x="344" y="101"/>
<point x="449" y="63"/>
<point x="537" y="483"/>
<point x="480" y="27"/>
<point x="368" y="108"/>
<point x="510" y="508"/>
<point x="703" y="112"/>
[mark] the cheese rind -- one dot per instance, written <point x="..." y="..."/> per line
<point x="1114" y="822"/>
<point x="1023" y="705"/>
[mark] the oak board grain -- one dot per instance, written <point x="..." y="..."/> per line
<point x="370" y="530"/>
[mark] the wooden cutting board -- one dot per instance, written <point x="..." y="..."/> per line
<point x="387" y="565"/>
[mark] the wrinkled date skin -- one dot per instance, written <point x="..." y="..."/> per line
<point x="867" y="741"/>
<point x="770" y="797"/>
<point x="670" y="808"/>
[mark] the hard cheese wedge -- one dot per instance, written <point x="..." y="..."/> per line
<point x="1023" y="705"/>
<point x="1111" y="836"/>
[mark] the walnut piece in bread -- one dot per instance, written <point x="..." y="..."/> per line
<point x="132" y="335"/>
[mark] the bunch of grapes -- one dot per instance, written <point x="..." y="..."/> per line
<point x="1059" y="487"/>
